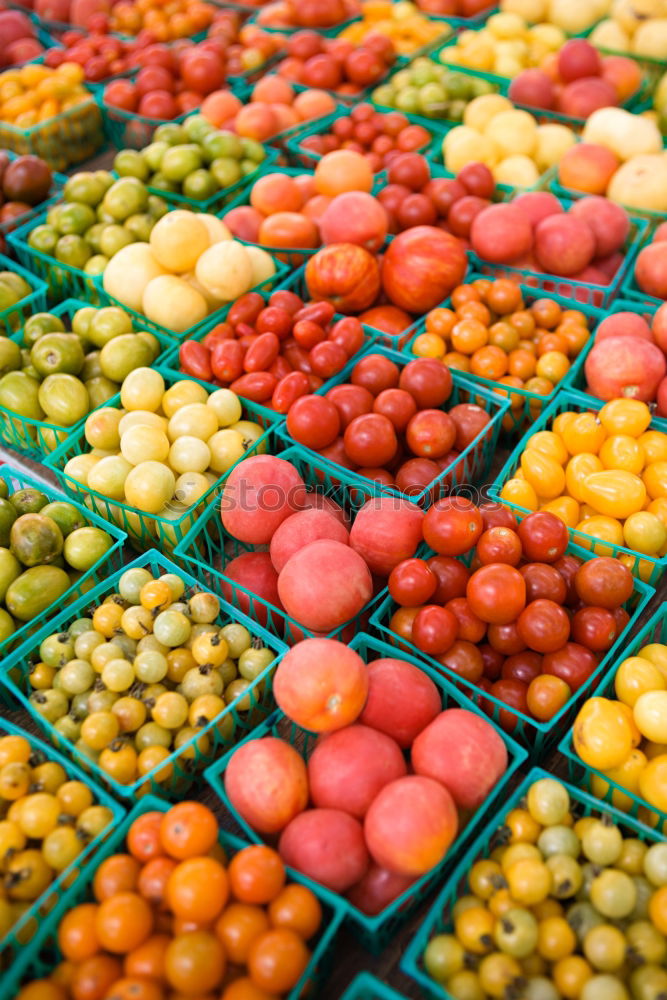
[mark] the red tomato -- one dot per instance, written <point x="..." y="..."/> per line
<point x="227" y="360"/>
<point x="523" y="666"/>
<point x="195" y="360"/>
<point x="604" y="582"/>
<point x="452" y="578"/>
<point x="497" y="593"/>
<point x="351" y="401"/>
<point x="327" y="359"/>
<point x="430" y="434"/>
<point x="544" y="537"/>
<point x="471" y="628"/>
<point x="307" y="333"/>
<point x="289" y="389"/>
<point x="256" y="386"/>
<point x="416" y="474"/>
<point x="398" y="405"/>
<point x="158" y="55"/>
<point x="375" y="372"/>
<point x="511" y="693"/>
<point x="506" y="639"/>
<point x="453" y="526"/>
<point x="499" y="545"/>
<point x="464" y="659"/>
<point x="544" y="626"/>
<point x="154" y="78"/>
<point x="203" y="71"/>
<point x="568" y="567"/>
<point x="434" y="630"/>
<point x="370" y="440"/>
<point x="495" y="515"/>
<point x="428" y="381"/>
<point x="594" y="628"/>
<point x="313" y="421"/>
<point x="349" y="334"/>
<point x="261" y="355"/>
<point x="471" y="420"/>
<point x="544" y="581"/>
<point x="573" y="663"/>
<point x="121" y="94"/>
<point x="493" y="662"/>
<point x="159" y="104"/>
<point x="412" y="582"/>
<point x="246" y="309"/>
<point x="284" y="299"/>
<point x="275" y="319"/>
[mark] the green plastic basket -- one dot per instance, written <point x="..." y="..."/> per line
<point x="309" y="159"/>
<point x="439" y="920"/>
<point x="13" y="317"/>
<point x="14" y="676"/>
<point x="62" y="280"/>
<point x="470" y="467"/>
<point x="537" y="737"/>
<point x="518" y="418"/>
<point x="365" y="986"/>
<point x="146" y="531"/>
<point x="69" y="137"/>
<point x="17" y="479"/>
<point x="42" y="955"/>
<point x="20" y="939"/>
<point x="375" y="932"/>
<point x="578" y="292"/>
<point x="650" y="568"/>
<point x="208" y="547"/>
<point x="582" y="774"/>
<point x="37" y="438"/>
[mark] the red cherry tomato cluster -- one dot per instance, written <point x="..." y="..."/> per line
<point x="172" y="80"/>
<point x="526" y="622"/>
<point x="245" y="47"/>
<point x="382" y="137"/>
<point x="274" y="352"/>
<point x="387" y="423"/>
<point x="413" y="198"/>
<point x="335" y="63"/>
<point x="100" y="55"/>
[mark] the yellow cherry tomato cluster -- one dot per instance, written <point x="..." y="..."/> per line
<point x="626" y="739"/>
<point x="605" y="475"/>
<point x="47" y="821"/>
<point x="161" y="450"/>
<point x="408" y="28"/>
<point x="564" y="908"/>
<point x="34" y="93"/>
<point x="489" y="331"/>
<point x="148" y="675"/>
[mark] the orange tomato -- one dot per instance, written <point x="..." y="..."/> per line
<point x="297" y="909"/>
<point x="123" y="922"/>
<point x="238" y="927"/>
<point x="77" y="937"/>
<point x="197" y="889"/>
<point x="277" y="960"/>
<point x="119" y="873"/>
<point x="256" y="874"/>
<point x="189" y="829"/>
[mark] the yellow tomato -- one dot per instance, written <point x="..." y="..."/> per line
<point x="584" y="433"/>
<point x="627" y="776"/>
<point x="625" y="416"/>
<point x="578" y="469"/>
<point x="607" y="529"/>
<point x="634" y="677"/>
<point x="620" y="451"/>
<point x="553" y="365"/>
<point x="521" y="493"/>
<point x="653" y="782"/>
<point x="655" y="479"/>
<point x="565" y="508"/>
<point x="657" y="909"/>
<point x="602" y="734"/>
<point x="33" y="74"/>
<point x="650" y="712"/>
<point x="654" y="444"/>
<point x="543" y="473"/>
<point x="644" y="532"/>
<point x="635" y="735"/>
<point x="549" y="444"/>
<point x="656" y="653"/>
<point x="659" y="508"/>
<point x="429" y="345"/>
<point x="614" y="492"/>
<point x="562" y="421"/>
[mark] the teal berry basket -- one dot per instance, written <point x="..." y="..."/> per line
<point x="183" y="765"/>
<point x="37" y="438"/>
<point x="291" y="257"/>
<point x="19" y="940"/>
<point x="62" y="280"/>
<point x="42" y="955"/>
<point x="648" y="568"/>
<point x="597" y="784"/>
<point x="171" y="363"/>
<point x="439" y="918"/>
<point x="69" y="137"/>
<point x="80" y="583"/>
<point x="209" y="547"/>
<point x="309" y="158"/>
<point x="366" y="986"/>
<point x="538" y="738"/>
<point x="582" y="292"/>
<point x="145" y="531"/>
<point x="13" y="317"/>
<point x="525" y="405"/>
<point x="267" y="284"/>
<point x="375" y="932"/>
<point x="469" y="468"/>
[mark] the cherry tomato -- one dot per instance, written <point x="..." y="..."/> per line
<point x="464" y="659"/>
<point x="281" y="367"/>
<point x="544" y="626"/>
<point x="523" y="666"/>
<point x="493" y="662"/>
<point x="495" y="515"/>
<point x="274" y="319"/>
<point x="573" y="663"/>
<point x="470" y="421"/>
<point x="375" y="372"/>
<point x="222" y="331"/>
<point x="247" y="309"/>
<point x="412" y="582"/>
<point x="261" y="355"/>
<point x="370" y="440"/>
<point x="377" y="475"/>
<point x="227" y="360"/>
<point x="543" y="581"/>
<point x="434" y="630"/>
<point x="195" y="360"/>
<point x="289" y="389"/>
<point x="604" y="582"/>
<point x="471" y="628"/>
<point x="327" y="359"/>
<point x="546" y="696"/>
<point x="452" y="526"/>
<point x="506" y="639"/>
<point x="413" y="477"/>
<point x="397" y="405"/>
<point x="499" y="545"/>
<point x="336" y="453"/>
<point x="452" y="578"/>
<point x="402" y="622"/>
<point x="543" y="536"/>
<point x="158" y="105"/>
<point x="351" y="401"/>
<point x="202" y="71"/>
<point x="348" y="333"/>
<point x="513" y="694"/>
<point x="428" y="381"/>
<point x="313" y="421"/>
<point x="497" y="593"/>
<point x="568" y="567"/>
<point x="430" y="434"/>
<point x="308" y="334"/>
<point x="594" y="628"/>
<point x="284" y="299"/>
<point x="256" y="386"/>
<point x="316" y="312"/>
